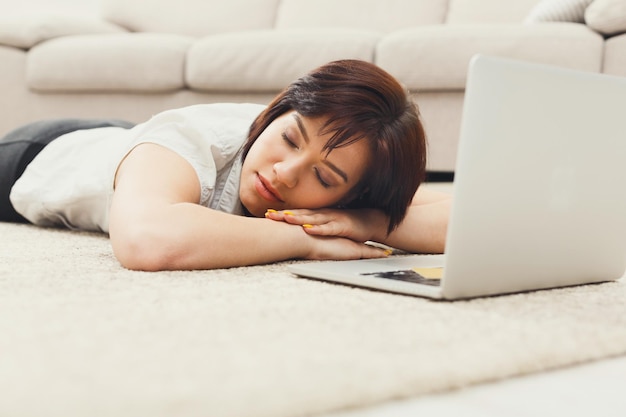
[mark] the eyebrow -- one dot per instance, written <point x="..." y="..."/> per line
<point x="305" y="135"/>
<point x="301" y="127"/>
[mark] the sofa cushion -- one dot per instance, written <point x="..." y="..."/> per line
<point x="607" y="16"/>
<point x="488" y="11"/>
<point x="558" y="11"/>
<point x="127" y="62"/>
<point x="615" y="56"/>
<point x="26" y="31"/>
<point x="269" y="60"/>
<point x="375" y="15"/>
<point x="437" y="57"/>
<point x="191" y="17"/>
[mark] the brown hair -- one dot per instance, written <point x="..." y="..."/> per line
<point x="361" y="101"/>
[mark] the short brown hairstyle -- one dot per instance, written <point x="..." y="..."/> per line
<point x="361" y="101"/>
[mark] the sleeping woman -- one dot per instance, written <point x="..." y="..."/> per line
<point x="333" y="163"/>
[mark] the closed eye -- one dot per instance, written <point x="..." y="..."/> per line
<point x="288" y="141"/>
<point x="293" y="145"/>
<point x="320" y="179"/>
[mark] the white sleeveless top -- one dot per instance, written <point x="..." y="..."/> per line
<point x="70" y="182"/>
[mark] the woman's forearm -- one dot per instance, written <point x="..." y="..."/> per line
<point x="188" y="236"/>
<point x="423" y="230"/>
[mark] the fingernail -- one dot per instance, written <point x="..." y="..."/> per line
<point x="288" y="213"/>
<point x="388" y="252"/>
<point x="307" y="226"/>
<point x="269" y="211"/>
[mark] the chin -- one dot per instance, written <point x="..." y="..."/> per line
<point x="253" y="209"/>
<point x="256" y="213"/>
<point x="254" y="204"/>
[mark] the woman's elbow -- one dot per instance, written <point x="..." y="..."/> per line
<point x="142" y="251"/>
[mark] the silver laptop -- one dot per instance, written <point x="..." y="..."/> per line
<point x="539" y="190"/>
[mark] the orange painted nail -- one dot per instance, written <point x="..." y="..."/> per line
<point x="288" y="213"/>
<point x="307" y="226"/>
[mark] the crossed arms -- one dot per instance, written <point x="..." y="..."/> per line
<point x="156" y="224"/>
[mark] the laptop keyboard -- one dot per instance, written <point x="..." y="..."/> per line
<point x="407" y="275"/>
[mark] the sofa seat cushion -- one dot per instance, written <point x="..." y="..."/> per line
<point x="263" y="61"/>
<point x="128" y="62"/>
<point x="437" y="57"/>
<point x="615" y="56"/>
<point x="378" y="15"/>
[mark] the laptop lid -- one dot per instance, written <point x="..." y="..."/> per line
<point x="540" y="183"/>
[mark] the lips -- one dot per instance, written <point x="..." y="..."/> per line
<point x="266" y="191"/>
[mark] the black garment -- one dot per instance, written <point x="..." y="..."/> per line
<point x="19" y="147"/>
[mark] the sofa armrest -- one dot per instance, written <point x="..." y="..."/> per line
<point x="26" y="31"/>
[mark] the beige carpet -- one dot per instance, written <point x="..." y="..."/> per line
<point x="80" y="336"/>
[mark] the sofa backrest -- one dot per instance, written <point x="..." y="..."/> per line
<point x="373" y="15"/>
<point x="191" y="17"/>
<point x="488" y="11"/>
<point x="208" y="17"/>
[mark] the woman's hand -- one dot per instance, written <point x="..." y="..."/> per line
<point x="423" y="230"/>
<point x="332" y="233"/>
<point x="341" y="248"/>
<point x="357" y="225"/>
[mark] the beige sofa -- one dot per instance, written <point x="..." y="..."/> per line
<point x="143" y="56"/>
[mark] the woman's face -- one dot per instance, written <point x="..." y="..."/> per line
<point x="287" y="168"/>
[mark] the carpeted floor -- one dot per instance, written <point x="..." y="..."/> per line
<point x="80" y="336"/>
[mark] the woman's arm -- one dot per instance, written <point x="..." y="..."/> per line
<point x="425" y="226"/>
<point x="422" y="231"/>
<point x="156" y="223"/>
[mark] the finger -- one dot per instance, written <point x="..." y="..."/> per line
<point x="274" y="215"/>
<point x="330" y="226"/>
<point x="282" y="215"/>
<point x="345" y="249"/>
<point x="307" y="217"/>
<point x="326" y="229"/>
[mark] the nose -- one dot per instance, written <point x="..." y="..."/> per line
<point x="287" y="172"/>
